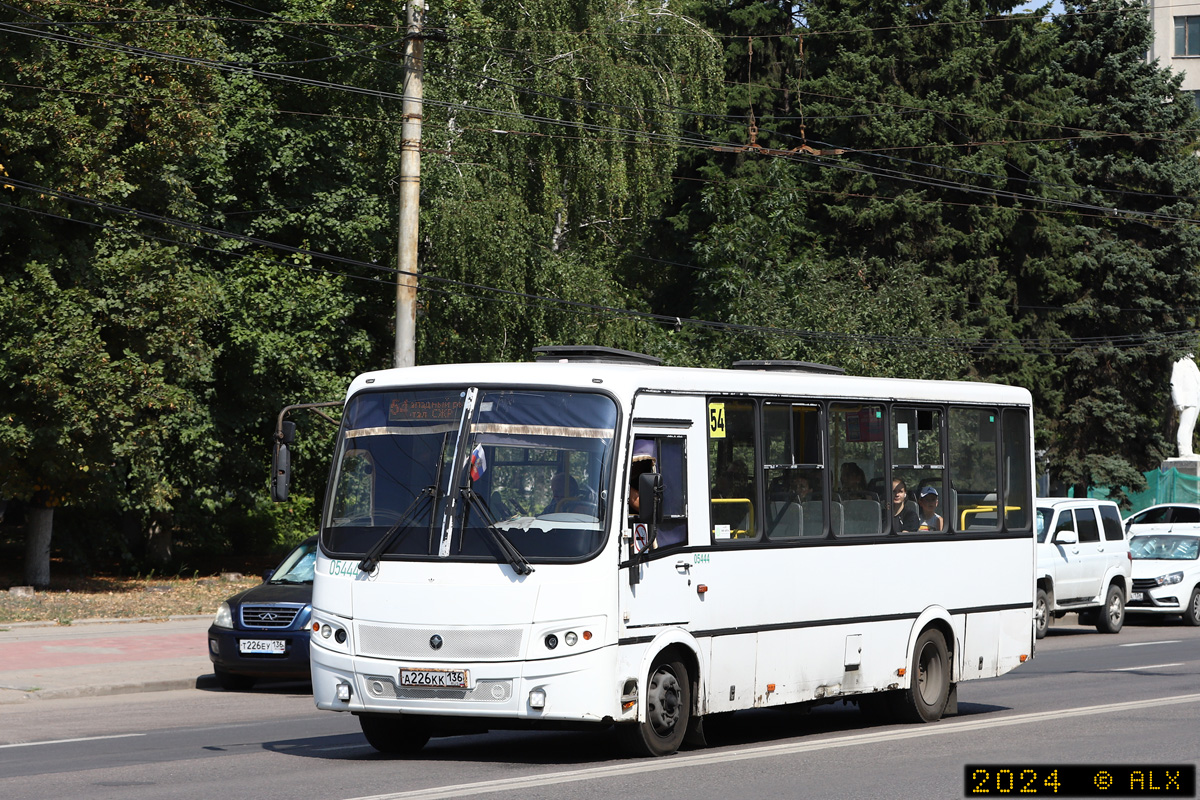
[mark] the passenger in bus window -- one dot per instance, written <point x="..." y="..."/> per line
<point x="853" y="483"/>
<point x="905" y="516"/>
<point x="802" y="488"/>
<point x="930" y="519"/>
<point x="643" y="462"/>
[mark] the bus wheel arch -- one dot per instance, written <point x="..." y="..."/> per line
<point x="931" y="670"/>
<point x="665" y="708"/>
<point x="668" y="702"/>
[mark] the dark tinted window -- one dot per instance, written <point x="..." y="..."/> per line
<point x="1114" y="529"/>
<point x="1152" y="516"/>
<point x="1085" y="520"/>
<point x="1185" y="514"/>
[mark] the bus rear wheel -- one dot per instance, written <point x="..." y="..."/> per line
<point x="925" y="698"/>
<point x="394" y="733"/>
<point x="668" y="710"/>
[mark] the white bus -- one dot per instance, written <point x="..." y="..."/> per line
<point x="480" y="566"/>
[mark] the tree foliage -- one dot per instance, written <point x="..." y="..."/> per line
<point x="199" y="217"/>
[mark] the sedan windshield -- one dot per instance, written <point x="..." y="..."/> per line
<point x="1165" y="547"/>
<point x="298" y="566"/>
<point x="516" y="475"/>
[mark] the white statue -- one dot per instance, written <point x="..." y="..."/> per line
<point x="1185" y="393"/>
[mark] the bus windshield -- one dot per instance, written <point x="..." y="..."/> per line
<point x="470" y="474"/>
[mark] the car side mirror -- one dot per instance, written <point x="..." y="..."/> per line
<point x="1066" y="537"/>
<point x="267" y="575"/>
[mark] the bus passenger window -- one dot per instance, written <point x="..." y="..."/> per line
<point x="856" y="458"/>
<point x="918" y="462"/>
<point x="792" y="471"/>
<point x="732" y="458"/>
<point x="974" y="453"/>
<point x="1017" y="502"/>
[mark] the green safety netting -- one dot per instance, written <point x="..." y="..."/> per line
<point x="1162" y="486"/>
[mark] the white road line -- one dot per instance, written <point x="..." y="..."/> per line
<point x="1146" y="644"/>
<point x="65" y="741"/>
<point x="1148" y="666"/>
<point x="766" y="751"/>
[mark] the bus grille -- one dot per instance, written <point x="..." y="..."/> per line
<point x="274" y="616"/>
<point x="484" y="691"/>
<point x="465" y="644"/>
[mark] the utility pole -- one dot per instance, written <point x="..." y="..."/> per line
<point x="410" y="188"/>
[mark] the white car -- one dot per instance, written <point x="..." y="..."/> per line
<point x="1082" y="563"/>
<point x="1166" y="575"/>
<point x="1165" y="518"/>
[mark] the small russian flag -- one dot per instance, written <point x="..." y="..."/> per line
<point x="478" y="462"/>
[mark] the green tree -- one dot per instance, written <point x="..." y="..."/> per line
<point x="105" y="361"/>
<point x="1126" y="280"/>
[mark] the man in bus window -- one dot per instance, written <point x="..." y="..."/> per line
<point x="643" y="462"/>
<point x="927" y="501"/>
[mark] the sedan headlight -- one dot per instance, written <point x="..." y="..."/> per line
<point x="224" y="617"/>
<point x="1167" y="580"/>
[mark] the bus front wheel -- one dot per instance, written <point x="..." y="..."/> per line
<point x="925" y="698"/>
<point x="668" y="707"/>
<point x="393" y="733"/>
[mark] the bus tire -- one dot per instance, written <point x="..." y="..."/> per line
<point x="1111" y="617"/>
<point x="668" y="706"/>
<point x="925" y="698"/>
<point x="1041" y="614"/>
<point x="393" y="733"/>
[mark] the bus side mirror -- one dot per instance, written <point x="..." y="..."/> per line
<point x="281" y="472"/>
<point x="281" y="461"/>
<point x="650" y="494"/>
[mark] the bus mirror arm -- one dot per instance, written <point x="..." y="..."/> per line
<point x="281" y="456"/>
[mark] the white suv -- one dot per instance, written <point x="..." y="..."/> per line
<point x="1083" y="563"/>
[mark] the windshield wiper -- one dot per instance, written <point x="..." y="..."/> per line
<point x="371" y="559"/>
<point x="512" y="555"/>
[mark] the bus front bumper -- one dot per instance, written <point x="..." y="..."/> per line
<point x="581" y="687"/>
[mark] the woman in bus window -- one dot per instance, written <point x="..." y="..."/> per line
<point x="904" y="513"/>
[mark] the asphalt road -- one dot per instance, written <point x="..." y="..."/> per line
<point x="1086" y="699"/>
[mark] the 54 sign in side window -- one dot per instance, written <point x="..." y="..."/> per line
<point x="716" y="420"/>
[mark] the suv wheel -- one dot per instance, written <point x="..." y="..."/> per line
<point x="1111" y="617"/>
<point x="1041" y="614"/>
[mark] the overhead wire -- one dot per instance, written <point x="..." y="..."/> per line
<point x="1124" y="341"/>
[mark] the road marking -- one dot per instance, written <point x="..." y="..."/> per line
<point x="765" y="751"/>
<point x="1148" y="666"/>
<point x="65" y="741"/>
<point x="1144" y="644"/>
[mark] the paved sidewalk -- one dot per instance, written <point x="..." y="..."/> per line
<point x="95" y="657"/>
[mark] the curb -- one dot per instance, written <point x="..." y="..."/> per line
<point x="200" y="682"/>
<point x="53" y="623"/>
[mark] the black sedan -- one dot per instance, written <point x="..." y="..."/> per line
<point x="263" y="631"/>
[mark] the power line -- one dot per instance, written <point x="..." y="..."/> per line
<point x="1125" y="341"/>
